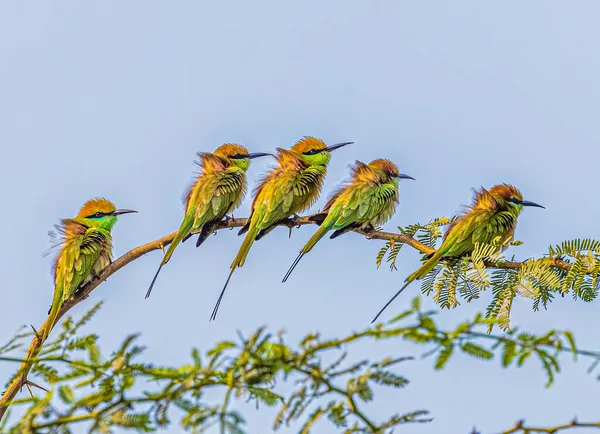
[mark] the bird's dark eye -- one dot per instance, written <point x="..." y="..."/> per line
<point x="312" y="152"/>
<point x="513" y="200"/>
<point x="238" y="156"/>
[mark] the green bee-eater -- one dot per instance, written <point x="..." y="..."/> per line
<point x="86" y="249"/>
<point x="366" y="201"/>
<point x="291" y="187"/>
<point x="219" y="189"/>
<point x="492" y="216"/>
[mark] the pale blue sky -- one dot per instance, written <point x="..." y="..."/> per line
<point x="115" y="98"/>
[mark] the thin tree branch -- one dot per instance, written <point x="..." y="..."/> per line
<point x="520" y="427"/>
<point x="319" y="378"/>
<point x="159" y="244"/>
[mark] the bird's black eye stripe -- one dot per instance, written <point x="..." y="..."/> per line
<point x="313" y="151"/>
<point x="513" y="200"/>
<point x="96" y="215"/>
<point x="238" y="156"/>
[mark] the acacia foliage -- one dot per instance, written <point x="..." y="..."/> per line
<point x="316" y="381"/>
<point x="537" y="279"/>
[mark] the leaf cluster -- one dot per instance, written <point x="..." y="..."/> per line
<point x="313" y="382"/>
<point x="486" y="269"/>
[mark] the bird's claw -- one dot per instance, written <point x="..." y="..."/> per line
<point x="369" y="231"/>
<point x="229" y="220"/>
<point x="292" y="222"/>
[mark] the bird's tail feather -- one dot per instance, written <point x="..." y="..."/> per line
<point x="213" y="316"/>
<point x="421" y="272"/>
<point x="287" y="275"/>
<point x="52" y="314"/>
<point x="183" y="232"/>
<point x="426" y="268"/>
<point x="390" y="302"/>
<point x="307" y="248"/>
<point x="315" y="239"/>
<point x="239" y="260"/>
<point x="245" y="248"/>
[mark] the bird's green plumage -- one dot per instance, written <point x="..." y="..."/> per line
<point x="368" y="200"/>
<point x="291" y="187"/>
<point x="86" y="249"/>
<point x="288" y="192"/>
<point x="492" y="218"/>
<point x="217" y="191"/>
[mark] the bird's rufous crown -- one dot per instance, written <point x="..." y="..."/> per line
<point x="228" y="150"/>
<point x="307" y="144"/>
<point x="93" y="206"/>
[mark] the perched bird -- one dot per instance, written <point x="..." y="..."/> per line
<point x="366" y="201"/>
<point x="218" y="190"/>
<point x="493" y="215"/>
<point x="291" y="187"/>
<point x="86" y="249"/>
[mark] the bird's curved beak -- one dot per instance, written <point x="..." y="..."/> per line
<point x="123" y="211"/>
<point x="258" y="154"/>
<point x="529" y="203"/>
<point x="405" y="176"/>
<point x="336" y="146"/>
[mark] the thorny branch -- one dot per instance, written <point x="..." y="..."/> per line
<point x="20" y="379"/>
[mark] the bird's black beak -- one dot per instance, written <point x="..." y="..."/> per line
<point x="529" y="203"/>
<point x="258" y="154"/>
<point x="123" y="211"/>
<point x="404" y="176"/>
<point x="336" y="146"/>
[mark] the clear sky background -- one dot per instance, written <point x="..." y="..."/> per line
<point x="115" y="98"/>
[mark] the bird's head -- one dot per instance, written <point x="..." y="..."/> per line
<point x="314" y="152"/>
<point x="100" y="212"/>
<point x="510" y="196"/>
<point x="238" y="155"/>
<point x="387" y="170"/>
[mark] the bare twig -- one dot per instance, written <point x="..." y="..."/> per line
<point x="520" y="427"/>
<point x="230" y="223"/>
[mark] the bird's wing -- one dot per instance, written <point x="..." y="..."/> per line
<point x="355" y="169"/>
<point x="229" y="193"/>
<point x="458" y="239"/>
<point x="362" y="204"/>
<point x="76" y="260"/>
<point x="289" y="193"/>
<point x="209" y="165"/>
<point x="477" y="226"/>
<point x="219" y="194"/>
<point x="501" y="224"/>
